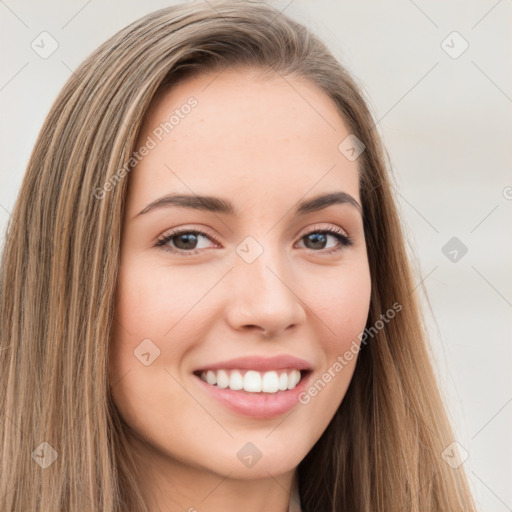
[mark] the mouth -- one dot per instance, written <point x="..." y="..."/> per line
<point x="253" y="381"/>
<point x="253" y="387"/>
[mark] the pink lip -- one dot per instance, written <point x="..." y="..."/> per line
<point x="258" y="405"/>
<point x="282" y="362"/>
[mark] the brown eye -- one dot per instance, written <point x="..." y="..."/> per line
<point x="184" y="241"/>
<point x="317" y="240"/>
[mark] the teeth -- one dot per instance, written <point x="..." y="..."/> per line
<point x="222" y="379"/>
<point x="236" y="381"/>
<point x="270" y="382"/>
<point x="253" y="381"/>
<point x="283" y="382"/>
<point x="293" y="379"/>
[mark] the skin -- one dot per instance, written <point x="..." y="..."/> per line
<point x="265" y="144"/>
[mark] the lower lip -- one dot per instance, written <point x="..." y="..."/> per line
<point x="257" y="405"/>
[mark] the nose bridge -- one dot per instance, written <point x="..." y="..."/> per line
<point x="262" y="287"/>
<point x="266" y="273"/>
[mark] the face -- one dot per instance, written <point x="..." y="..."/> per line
<point x="224" y="304"/>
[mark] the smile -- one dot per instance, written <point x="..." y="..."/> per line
<point x="253" y="381"/>
<point x="256" y="386"/>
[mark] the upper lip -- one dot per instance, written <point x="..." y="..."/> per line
<point x="281" y="362"/>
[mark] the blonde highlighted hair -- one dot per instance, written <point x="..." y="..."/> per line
<point x="382" y="450"/>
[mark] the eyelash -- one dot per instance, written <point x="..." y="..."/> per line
<point x="345" y="241"/>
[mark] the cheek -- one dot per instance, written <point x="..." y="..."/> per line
<point x="341" y="312"/>
<point x="143" y="384"/>
<point x="152" y="298"/>
<point x="349" y="306"/>
<point x="152" y="312"/>
<point x="340" y="304"/>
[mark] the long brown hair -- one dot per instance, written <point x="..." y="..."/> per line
<point x="382" y="451"/>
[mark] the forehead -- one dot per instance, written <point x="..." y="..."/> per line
<point x="270" y="136"/>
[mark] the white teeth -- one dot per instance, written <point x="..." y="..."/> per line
<point x="253" y="381"/>
<point x="236" y="381"/>
<point x="222" y="379"/>
<point x="211" y="378"/>
<point x="270" y="382"/>
<point x="293" y="379"/>
<point x="283" y="381"/>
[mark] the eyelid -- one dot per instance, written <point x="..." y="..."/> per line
<point x="343" y="237"/>
<point x="193" y="228"/>
<point x="323" y="227"/>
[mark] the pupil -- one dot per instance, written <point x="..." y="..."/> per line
<point x="317" y="238"/>
<point x="188" y="238"/>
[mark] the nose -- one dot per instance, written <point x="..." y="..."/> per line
<point x="263" y="299"/>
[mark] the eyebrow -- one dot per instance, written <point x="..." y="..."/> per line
<point x="219" y="205"/>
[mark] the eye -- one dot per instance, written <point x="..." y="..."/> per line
<point x="180" y="241"/>
<point x="185" y="241"/>
<point x="319" y="237"/>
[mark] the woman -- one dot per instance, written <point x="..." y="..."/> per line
<point x="206" y="298"/>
